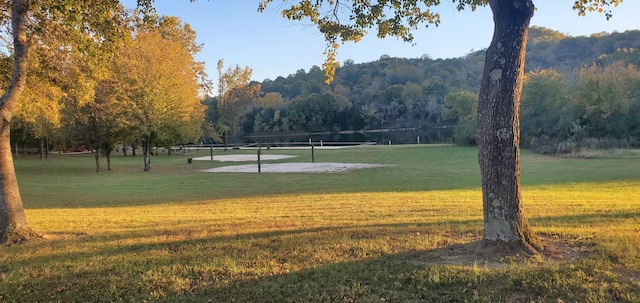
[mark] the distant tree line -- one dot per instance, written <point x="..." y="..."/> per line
<point x="598" y="109"/>
<point x="558" y="103"/>
<point x="580" y="92"/>
<point x="140" y="87"/>
<point x="388" y="93"/>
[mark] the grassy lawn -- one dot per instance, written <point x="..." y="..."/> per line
<point x="404" y="233"/>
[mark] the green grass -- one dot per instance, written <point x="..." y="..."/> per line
<point x="405" y="233"/>
<point x="71" y="181"/>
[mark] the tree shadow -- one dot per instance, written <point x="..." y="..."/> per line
<point x="586" y="218"/>
<point x="453" y="271"/>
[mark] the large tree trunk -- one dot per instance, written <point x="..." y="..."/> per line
<point x="13" y="222"/>
<point x="505" y="226"/>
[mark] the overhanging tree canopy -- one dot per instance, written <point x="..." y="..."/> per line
<point x="89" y="27"/>
<point x="498" y="135"/>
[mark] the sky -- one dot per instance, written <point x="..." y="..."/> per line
<point x="272" y="46"/>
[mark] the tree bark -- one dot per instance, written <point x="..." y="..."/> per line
<point x="146" y="152"/>
<point x="41" y="148"/>
<point x="505" y="226"/>
<point x="107" y="153"/>
<point x="13" y="221"/>
<point x="97" y="157"/>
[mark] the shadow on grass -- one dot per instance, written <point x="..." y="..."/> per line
<point x="175" y="241"/>
<point x="196" y="270"/>
<point x="587" y="218"/>
<point x="323" y="264"/>
<point x="398" y="278"/>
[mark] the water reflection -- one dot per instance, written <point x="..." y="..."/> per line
<point x="382" y="136"/>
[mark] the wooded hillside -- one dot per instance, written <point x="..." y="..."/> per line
<point x="424" y="92"/>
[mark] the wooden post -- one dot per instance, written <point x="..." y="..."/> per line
<point x="259" y="152"/>
<point x="211" y="150"/>
<point x="313" y="157"/>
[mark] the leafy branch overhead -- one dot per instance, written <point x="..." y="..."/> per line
<point x="349" y="21"/>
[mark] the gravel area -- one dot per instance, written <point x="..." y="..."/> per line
<point x="243" y="158"/>
<point x="293" y="168"/>
<point x="296" y="167"/>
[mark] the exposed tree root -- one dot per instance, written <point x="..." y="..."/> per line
<point x="490" y="248"/>
<point x="23" y="235"/>
<point x="557" y="249"/>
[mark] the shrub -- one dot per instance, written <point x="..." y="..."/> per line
<point x="604" y="143"/>
<point x="543" y="145"/>
<point x="566" y="147"/>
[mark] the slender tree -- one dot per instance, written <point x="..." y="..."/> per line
<point x="235" y="96"/>
<point x="89" y="26"/>
<point x="13" y="221"/>
<point x="505" y="224"/>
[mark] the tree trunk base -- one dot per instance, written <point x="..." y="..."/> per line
<point x="20" y="236"/>
<point x="500" y="248"/>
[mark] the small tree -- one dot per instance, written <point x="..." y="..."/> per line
<point x="159" y="89"/>
<point x="604" y="98"/>
<point x="236" y="95"/>
<point x="463" y="107"/>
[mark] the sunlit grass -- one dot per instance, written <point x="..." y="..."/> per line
<point x="316" y="246"/>
<point x="344" y="240"/>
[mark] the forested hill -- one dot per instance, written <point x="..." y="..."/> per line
<point x="547" y="49"/>
<point x="426" y="93"/>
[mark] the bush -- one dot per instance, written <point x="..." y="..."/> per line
<point x="543" y="145"/>
<point x="604" y="143"/>
<point x="551" y="146"/>
<point x="566" y="147"/>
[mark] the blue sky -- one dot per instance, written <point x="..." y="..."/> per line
<point x="273" y="46"/>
